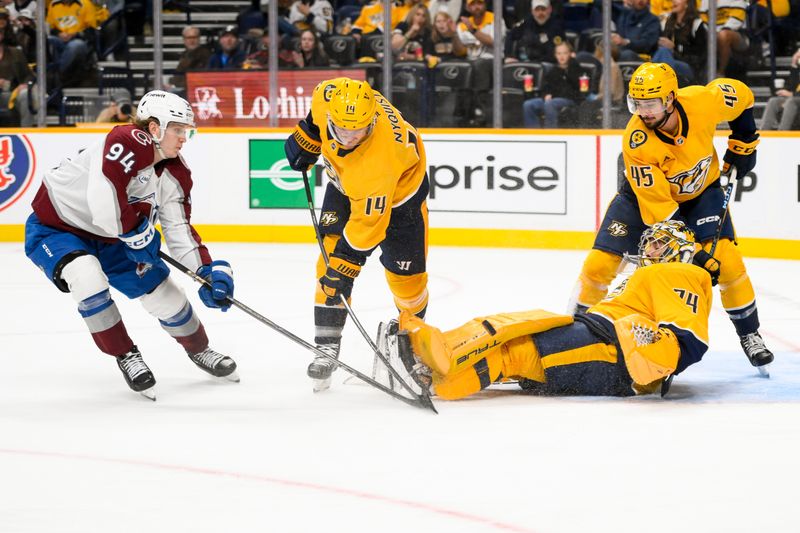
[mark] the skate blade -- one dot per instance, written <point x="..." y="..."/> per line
<point x="150" y="393"/>
<point x="321" y="384"/>
<point x="233" y="376"/>
<point x="763" y="370"/>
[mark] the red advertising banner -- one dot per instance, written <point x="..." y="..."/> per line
<point x="241" y="98"/>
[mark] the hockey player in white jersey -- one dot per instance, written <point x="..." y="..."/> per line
<point x="93" y="226"/>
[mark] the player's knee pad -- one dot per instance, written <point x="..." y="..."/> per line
<point x="599" y="270"/>
<point x="165" y="301"/>
<point x="410" y="292"/>
<point x="736" y="289"/>
<point x="84" y="277"/>
<point x="521" y="360"/>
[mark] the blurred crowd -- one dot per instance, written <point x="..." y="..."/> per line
<point x="556" y="45"/>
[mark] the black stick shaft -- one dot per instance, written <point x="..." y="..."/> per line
<point x="291" y="336"/>
<point x="423" y="398"/>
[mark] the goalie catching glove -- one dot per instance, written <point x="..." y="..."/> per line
<point x="220" y="277"/>
<point x="741" y="154"/>
<point x="339" y="277"/>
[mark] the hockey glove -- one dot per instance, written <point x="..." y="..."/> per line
<point x="220" y="276"/>
<point x="301" y="150"/>
<point x="339" y="277"/>
<point x="741" y="154"/>
<point x="709" y="263"/>
<point x="142" y="243"/>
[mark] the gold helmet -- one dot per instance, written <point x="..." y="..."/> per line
<point x="651" y="80"/>
<point x="352" y="105"/>
<point x="666" y="242"/>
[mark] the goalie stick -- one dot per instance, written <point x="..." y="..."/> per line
<point x="416" y="401"/>
<point x="424" y="397"/>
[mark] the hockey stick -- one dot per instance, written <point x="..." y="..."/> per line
<point x="424" y="397"/>
<point x="732" y="177"/>
<point x="416" y="401"/>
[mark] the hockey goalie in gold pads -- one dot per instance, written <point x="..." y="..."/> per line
<point x="653" y="325"/>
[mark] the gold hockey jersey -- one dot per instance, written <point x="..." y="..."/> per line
<point x="676" y="296"/>
<point x="665" y="170"/>
<point x="381" y="173"/>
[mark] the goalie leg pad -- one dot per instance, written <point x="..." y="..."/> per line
<point x="651" y="353"/>
<point x="450" y="352"/>
<point x="410" y="292"/>
<point x="599" y="270"/>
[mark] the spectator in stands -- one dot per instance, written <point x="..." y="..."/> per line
<point x="15" y="7"/>
<point x="590" y="110"/>
<point x="230" y="55"/>
<point x="683" y="42"/>
<point x="637" y="31"/>
<point x="446" y="44"/>
<point x="71" y="23"/>
<point x="195" y="56"/>
<point x="118" y="111"/>
<point x="731" y="36"/>
<point x="413" y="38"/>
<point x="521" y="8"/>
<point x="25" y="28"/>
<point x="786" y="102"/>
<point x="312" y="14"/>
<point x="310" y="52"/>
<point x="536" y="36"/>
<point x="561" y="88"/>
<point x="370" y="20"/>
<point x="259" y="57"/>
<point x="451" y="7"/>
<point x="477" y="34"/>
<point x="14" y="76"/>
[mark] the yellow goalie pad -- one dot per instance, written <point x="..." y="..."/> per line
<point x="651" y="353"/>
<point x="449" y="352"/>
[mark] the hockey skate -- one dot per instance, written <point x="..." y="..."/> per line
<point x="321" y="368"/>
<point x="137" y="374"/>
<point x="757" y="352"/>
<point x="396" y="346"/>
<point x="216" y="364"/>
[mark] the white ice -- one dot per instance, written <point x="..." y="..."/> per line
<point x="80" y="452"/>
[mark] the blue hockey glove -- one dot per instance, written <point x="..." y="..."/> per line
<point x="741" y="154"/>
<point x="142" y="243"/>
<point x="301" y="150"/>
<point x="220" y="276"/>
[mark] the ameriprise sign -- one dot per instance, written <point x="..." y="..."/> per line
<point x="524" y="176"/>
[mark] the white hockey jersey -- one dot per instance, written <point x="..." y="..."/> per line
<point x="108" y="188"/>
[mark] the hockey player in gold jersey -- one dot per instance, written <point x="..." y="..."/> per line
<point x="673" y="173"/>
<point x="654" y="325"/>
<point x="375" y="197"/>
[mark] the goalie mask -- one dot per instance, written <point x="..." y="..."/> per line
<point x="666" y="242"/>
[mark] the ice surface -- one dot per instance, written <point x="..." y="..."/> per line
<point x="80" y="452"/>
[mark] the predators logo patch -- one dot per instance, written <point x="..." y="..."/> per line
<point x="328" y="218"/>
<point x="617" y="229"/>
<point x="638" y="138"/>
<point x="692" y="180"/>
<point x="327" y="92"/>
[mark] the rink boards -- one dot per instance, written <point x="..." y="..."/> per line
<point x="508" y="189"/>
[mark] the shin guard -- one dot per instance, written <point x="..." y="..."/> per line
<point x="736" y="289"/>
<point x="410" y="292"/>
<point x="599" y="270"/>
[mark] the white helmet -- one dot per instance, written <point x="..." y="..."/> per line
<point x="165" y="107"/>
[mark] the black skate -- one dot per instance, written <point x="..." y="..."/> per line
<point x="216" y="364"/>
<point x="757" y="352"/>
<point x="321" y="368"/>
<point x="137" y="374"/>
